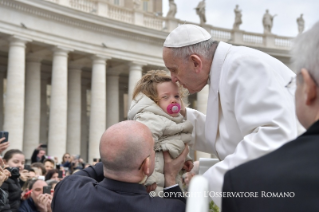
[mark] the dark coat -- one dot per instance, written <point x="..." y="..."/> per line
<point x="4" y="201"/>
<point x="79" y="192"/>
<point x="285" y="180"/>
<point x="28" y="206"/>
<point x="13" y="189"/>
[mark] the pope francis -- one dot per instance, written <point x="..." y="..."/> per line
<point x="250" y="109"/>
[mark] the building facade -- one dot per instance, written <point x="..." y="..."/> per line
<point x="68" y="67"/>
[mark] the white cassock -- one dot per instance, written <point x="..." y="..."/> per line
<point x="250" y="110"/>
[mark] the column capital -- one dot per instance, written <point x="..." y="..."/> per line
<point x="17" y="38"/>
<point x="99" y="57"/>
<point x="137" y="63"/>
<point x="61" y="50"/>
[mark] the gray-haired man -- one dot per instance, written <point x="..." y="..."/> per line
<point x="250" y="110"/>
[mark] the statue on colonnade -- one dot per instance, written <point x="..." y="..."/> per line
<point x="200" y="11"/>
<point x="301" y="24"/>
<point x="238" y="20"/>
<point x="268" y="22"/>
<point x="172" y="9"/>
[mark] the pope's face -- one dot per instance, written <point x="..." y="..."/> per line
<point x="183" y="71"/>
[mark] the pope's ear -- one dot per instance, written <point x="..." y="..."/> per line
<point x="310" y="87"/>
<point x="197" y="62"/>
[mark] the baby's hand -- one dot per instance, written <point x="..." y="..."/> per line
<point x="188" y="165"/>
<point x="150" y="188"/>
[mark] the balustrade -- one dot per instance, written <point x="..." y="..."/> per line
<point x="152" y="21"/>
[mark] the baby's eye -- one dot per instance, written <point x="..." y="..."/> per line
<point x="177" y="96"/>
<point x="164" y="97"/>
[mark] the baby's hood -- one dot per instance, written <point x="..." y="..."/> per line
<point x="139" y="104"/>
<point x="142" y="103"/>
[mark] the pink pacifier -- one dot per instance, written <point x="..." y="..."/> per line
<point x="173" y="108"/>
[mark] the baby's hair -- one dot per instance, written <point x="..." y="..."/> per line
<point x="148" y="84"/>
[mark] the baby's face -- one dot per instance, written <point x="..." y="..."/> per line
<point x="168" y="93"/>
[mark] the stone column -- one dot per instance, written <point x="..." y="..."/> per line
<point x="1" y="100"/>
<point x="14" y="105"/>
<point x="84" y="125"/>
<point x="112" y="99"/>
<point x="74" y="110"/>
<point x="44" y="111"/>
<point x="58" y="103"/>
<point x="202" y="98"/>
<point x="135" y="74"/>
<point x="98" y="106"/>
<point x="121" y="104"/>
<point x="32" y="106"/>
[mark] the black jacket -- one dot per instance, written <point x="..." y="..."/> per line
<point x="4" y="201"/>
<point x="79" y="192"/>
<point x="12" y="187"/>
<point x="285" y="180"/>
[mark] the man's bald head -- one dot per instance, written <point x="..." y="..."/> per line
<point x="124" y="146"/>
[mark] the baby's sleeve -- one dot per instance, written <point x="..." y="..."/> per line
<point x="153" y="122"/>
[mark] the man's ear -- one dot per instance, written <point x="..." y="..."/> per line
<point x="146" y="166"/>
<point x="197" y="62"/>
<point x="310" y="87"/>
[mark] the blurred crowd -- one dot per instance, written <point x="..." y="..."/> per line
<point x="30" y="188"/>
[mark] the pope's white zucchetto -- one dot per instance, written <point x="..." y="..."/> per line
<point x="186" y="35"/>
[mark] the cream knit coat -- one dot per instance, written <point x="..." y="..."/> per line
<point x="169" y="133"/>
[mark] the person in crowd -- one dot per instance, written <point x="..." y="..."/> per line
<point x="66" y="163"/>
<point x="287" y="179"/>
<point x="127" y="161"/>
<point x="154" y="99"/>
<point x="66" y="160"/>
<point x="25" y="189"/>
<point x="14" y="161"/>
<point x="4" y="175"/>
<point x="76" y="164"/>
<point x="39" y="168"/>
<point x="52" y="175"/>
<point x="250" y="108"/>
<point x="52" y="183"/>
<point x="3" y="146"/>
<point x="32" y="174"/>
<point x="48" y="164"/>
<point x="38" y="155"/>
<point x="38" y="202"/>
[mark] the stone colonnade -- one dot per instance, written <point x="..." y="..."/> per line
<point x="69" y="128"/>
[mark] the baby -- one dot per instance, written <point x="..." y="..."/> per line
<point x="156" y="103"/>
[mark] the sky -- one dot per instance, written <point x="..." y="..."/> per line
<point x="220" y="13"/>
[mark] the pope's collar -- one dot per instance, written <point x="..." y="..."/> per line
<point x="214" y="47"/>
